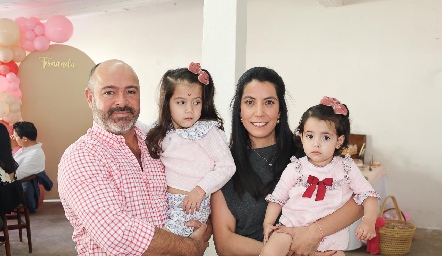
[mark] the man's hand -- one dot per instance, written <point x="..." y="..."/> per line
<point x="199" y="236"/>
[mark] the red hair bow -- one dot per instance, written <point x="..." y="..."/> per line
<point x="313" y="181"/>
<point x="203" y="77"/>
<point x="338" y="108"/>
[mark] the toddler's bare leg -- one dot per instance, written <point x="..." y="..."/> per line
<point x="339" y="253"/>
<point x="278" y="244"/>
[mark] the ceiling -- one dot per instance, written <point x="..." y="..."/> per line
<point x="44" y="9"/>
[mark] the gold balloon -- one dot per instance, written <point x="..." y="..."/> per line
<point x="9" y="32"/>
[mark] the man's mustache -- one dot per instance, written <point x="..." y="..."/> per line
<point x="125" y="108"/>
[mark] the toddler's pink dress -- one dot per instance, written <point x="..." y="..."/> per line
<point x="302" y="211"/>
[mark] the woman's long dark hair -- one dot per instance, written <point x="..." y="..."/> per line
<point x="7" y="162"/>
<point x="245" y="179"/>
<point x="167" y="87"/>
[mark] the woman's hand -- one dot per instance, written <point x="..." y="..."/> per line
<point x="305" y="239"/>
<point x="192" y="201"/>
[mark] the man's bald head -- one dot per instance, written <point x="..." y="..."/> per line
<point x="107" y="67"/>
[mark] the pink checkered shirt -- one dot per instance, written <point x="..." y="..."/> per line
<point x="113" y="204"/>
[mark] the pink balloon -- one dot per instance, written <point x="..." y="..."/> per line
<point x="41" y="43"/>
<point x="58" y="29"/>
<point x="13" y="86"/>
<point x="27" y="45"/>
<point x="39" y="30"/>
<point x="4" y="70"/>
<point x="4" y="83"/>
<point x="21" y="21"/>
<point x="29" y="35"/>
<point x="35" y="19"/>
<point x="17" y="93"/>
<point x="30" y="24"/>
<point x="11" y="77"/>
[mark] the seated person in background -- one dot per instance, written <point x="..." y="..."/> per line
<point x="31" y="161"/>
<point x="14" y="145"/>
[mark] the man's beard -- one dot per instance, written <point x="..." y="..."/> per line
<point x="115" y="125"/>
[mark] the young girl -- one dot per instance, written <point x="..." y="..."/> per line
<point x="191" y="143"/>
<point x="318" y="184"/>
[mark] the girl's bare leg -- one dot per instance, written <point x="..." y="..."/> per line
<point x="278" y="244"/>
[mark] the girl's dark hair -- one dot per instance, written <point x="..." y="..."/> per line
<point x="7" y="162"/>
<point x="245" y="179"/>
<point x="326" y="113"/>
<point x="25" y="129"/>
<point x="167" y="87"/>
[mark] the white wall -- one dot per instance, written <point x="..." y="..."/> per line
<point x="382" y="58"/>
<point x="151" y="39"/>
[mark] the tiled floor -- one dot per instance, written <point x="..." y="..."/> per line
<point x="51" y="236"/>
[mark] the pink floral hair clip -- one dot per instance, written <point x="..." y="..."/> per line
<point x="203" y="77"/>
<point x="338" y="108"/>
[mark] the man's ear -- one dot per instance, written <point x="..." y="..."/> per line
<point x="88" y="93"/>
<point x="340" y="141"/>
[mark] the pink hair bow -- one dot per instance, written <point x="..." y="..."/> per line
<point x="338" y="108"/>
<point x="203" y="77"/>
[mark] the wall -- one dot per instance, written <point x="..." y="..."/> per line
<point x="51" y="96"/>
<point x="382" y="58"/>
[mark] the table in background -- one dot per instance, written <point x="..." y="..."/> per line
<point x="377" y="178"/>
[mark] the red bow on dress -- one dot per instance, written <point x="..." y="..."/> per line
<point x="203" y="77"/>
<point x="338" y="108"/>
<point x="313" y="181"/>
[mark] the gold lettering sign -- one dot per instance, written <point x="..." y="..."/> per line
<point x="49" y="63"/>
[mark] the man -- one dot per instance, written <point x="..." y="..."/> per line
<point x="112" y="191"/>
<point x="30" y="157"/>
<point x="31" y="161"/>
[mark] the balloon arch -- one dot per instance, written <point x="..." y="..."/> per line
<point x="17" y="38"/>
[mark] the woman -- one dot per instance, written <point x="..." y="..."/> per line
<point x="261" y="145"/>
<point x="10" y="191"/>
<point x="7" y="163"/>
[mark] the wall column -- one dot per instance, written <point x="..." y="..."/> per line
<point x="224" y="49"/>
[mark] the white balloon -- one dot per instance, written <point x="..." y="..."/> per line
<point x="14" y="108"/>
<point x="12" y="117"/>
<point x="9" y="99"/>
<point x="6" y="54"/>
<point x="4" y="109"/>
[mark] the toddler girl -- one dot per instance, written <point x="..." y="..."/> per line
<point x="190" y="141"/>
<point x="318" y="184"/>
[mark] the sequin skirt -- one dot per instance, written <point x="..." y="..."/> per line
<point x="177" y="218"/>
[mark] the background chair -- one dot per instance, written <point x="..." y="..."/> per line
<point x="22" y="209"/>
<point x="5" y="237"/>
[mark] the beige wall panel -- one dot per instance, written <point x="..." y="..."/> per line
<point x="53" y="84"/>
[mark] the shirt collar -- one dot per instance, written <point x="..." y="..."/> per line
<point x="100" y="131"/>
